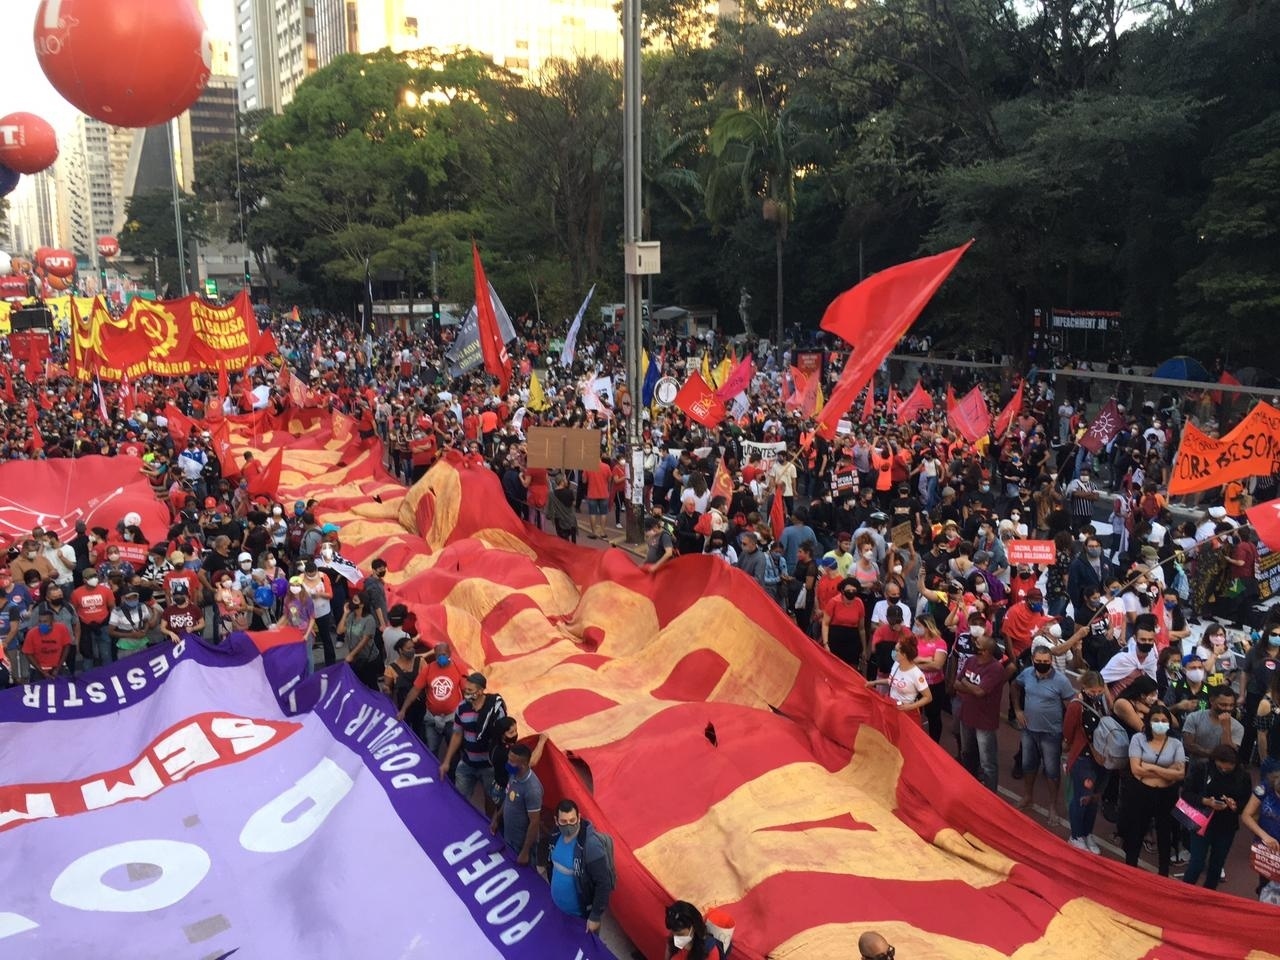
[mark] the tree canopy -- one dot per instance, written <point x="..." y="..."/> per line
<point x="1105" y="154"/>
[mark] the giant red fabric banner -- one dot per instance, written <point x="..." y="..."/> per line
<point x="166" y="338"/>
<point x="873" y="316"/>
<point x="813" y="812"/>
<point x="54" y="494"/>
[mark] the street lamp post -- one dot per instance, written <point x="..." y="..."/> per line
<point x="631" y="110"/>
<point x="177" y="210"/>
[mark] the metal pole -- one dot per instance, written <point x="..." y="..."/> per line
<point x="244" y="237"/>
<point x="177" y="211"/>
<point x="631" y="110"/>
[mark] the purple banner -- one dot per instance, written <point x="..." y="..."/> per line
<point x="170" y="806"/>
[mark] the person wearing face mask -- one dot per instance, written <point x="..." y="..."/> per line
<point x="1205" y="729"/>
<point x="93" y="602"/>
<point x="474" y="728"/>
<point x="688" y="937"/>
<point x="320" y="590"/>
<point x="1079" y="721"/>
<point x="440" y="681"/>
<point x="1216" y="788"/>
<point x="977" y="685"/>
<point x="130" y="622"/>
<point x="1041" y="694"/>
<point x="55" y="600"/>
<point x="580" y="866"/>
<point x="1089" y="569"/>
<point x="892" y="598"/>
<point x="1158" y="764"/>
<point x="864" y="569"/>
<point x="47" y="646"/>
<point x="30" y="558"/>
<point x="1082" y="496"/>
<point x="359" y="629"/>
<point x="1260" y="670"/>
<point x="298" y="610"/>
<point x="1189" y="692"/>
<point x="843" y="624"/>
<point x="1137" y="659"/>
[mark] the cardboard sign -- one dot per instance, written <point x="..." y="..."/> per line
<point x="900" y="533"/>
<point x="563" y="448"/>
<point x="1031" y="551"/>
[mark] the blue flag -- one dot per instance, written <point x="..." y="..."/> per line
<point x="651" y="376"/>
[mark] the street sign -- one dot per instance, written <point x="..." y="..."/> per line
<point x="211" y="288"/>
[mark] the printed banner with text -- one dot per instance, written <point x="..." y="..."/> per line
<point x="1251" y="449"/>
<point x="164" y="338"/>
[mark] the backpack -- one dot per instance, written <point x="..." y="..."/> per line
<point x="1110" y="742"/>
<point x="580" y="879"/>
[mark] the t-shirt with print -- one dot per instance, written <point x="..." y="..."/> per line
<point x="981" y="713"/>
<point x="906" y="686"/>
<point x="521" y="802"/>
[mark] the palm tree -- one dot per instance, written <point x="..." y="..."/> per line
<point x="753" y="150"/>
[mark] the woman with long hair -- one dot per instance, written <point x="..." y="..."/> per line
<point x="1157" y="764"/>
<point x="687" y="936"/>
<point x="908" y="688"/>
<point x="931" y="658"/>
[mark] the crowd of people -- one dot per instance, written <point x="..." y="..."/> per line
<point x="897" y="552"/>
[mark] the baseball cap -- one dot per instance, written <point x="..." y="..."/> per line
<point x="1035" y="594"/>
<point x="827" y="563"/>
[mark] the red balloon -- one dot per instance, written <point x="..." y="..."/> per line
<point x="58" y="263"/>
<point x="130" y="63"/>
<point x="108" y="247"/>
<point x="58" y="283"/>
<point x="27" y="143"/>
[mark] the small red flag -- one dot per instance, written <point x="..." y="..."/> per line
<point x="33" y="412"/>
<point x="7" y="393"/>
<point x="266" y="344"/>
<point x="873" y="316"/>
<point x="37" y="439"/>
<point x="699" y="402"/>
<point x="777" y="514"/>
<point x="1265" y="519"/>
<point x="497" y="361"/>
<point x="1216" y="395"/>
<point x="739" y="380"/>
<point x="222" y="448"/>
<point x="178" y="424"/>
<point x="970" y="416"/>
<point x="1104" y="428"/>
<point x="266" y="482"/>
<point x="869" y="404"/>
<point x="918" y="399"/>
<point x="246" y="392"/>
<point x="722" y="484"/>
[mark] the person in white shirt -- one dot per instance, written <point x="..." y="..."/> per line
<point x="1138" y="658"/>
<point x="892" y="598"/>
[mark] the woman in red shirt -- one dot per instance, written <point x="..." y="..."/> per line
<point x="842" y="624"/>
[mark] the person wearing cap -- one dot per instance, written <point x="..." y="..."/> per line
<point x="181" y="616"/>
<point x="93" y="602"/>
<point x="1216" y="787"/>
<point x="1209" y="524"/>
<point x="1040" y="697"/>
<point x="841" y="555"/>
<point x="244" y="571"/>
<point x="131" y="622"/>
<point x="474" y="726"/>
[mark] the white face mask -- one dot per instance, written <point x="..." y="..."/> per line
<point x="868" y="553"/>
<point x="327" y="553"/>
<point x="897" y="568"/>
<point x="295" y="589"/>
<point x="276" y="512"/>
<point x="1195" y="676"/>
<point x="977" y="631"/>
<point x="681" y="942"/>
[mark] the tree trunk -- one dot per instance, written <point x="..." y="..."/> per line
<point x="777" y="323"/>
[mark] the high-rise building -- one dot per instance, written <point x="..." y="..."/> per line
<point x="34" y="212"/>
<point x="91" y="183"/>
<point x="211" y="119"/>
<point x="295" y="25"/>
<point x="337" y="29"/>
<point x="257" y="61"/>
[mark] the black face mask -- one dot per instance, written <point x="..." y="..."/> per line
<point x="1145" y="648"/>
<point x="1043" y="667"/>
<point x="850" y="594"/>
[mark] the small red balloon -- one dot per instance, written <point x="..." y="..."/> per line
<point x="27" y="143"/>
<point x="108" y="247"/>
<point x="130" y="63"/>
<point x="59" y="263"/>
<point x="56" y="282"/>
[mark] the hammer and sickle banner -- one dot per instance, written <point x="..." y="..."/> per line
<point x="1251" y="449"/>
<point x="167" y="338"/>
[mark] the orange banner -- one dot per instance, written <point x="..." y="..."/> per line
<point x="166" y="338"/>
<point x="1251" y="449"/>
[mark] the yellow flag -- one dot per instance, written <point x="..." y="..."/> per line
<point x="723" y="371"/>
<point x="706" y="368"/>
<point x="819" y="403"/>
<point x="537" y="399"/>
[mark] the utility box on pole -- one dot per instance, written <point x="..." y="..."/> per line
<point x="644" y="258"/>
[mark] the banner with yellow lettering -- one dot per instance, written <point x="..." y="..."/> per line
<point x="165" y="338"/>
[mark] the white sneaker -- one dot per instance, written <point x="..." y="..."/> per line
<point x="1181" y="857"/>
<point x="1092" y="844"/>
<point x="1079" y="843"/>
<point x="1222" y="875"/>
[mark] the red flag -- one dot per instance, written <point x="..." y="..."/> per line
<point x="1265" y="519"/>
<point x="873" y="316"/>
<point x="699" y="402"/>
<point x="970" y="417"/>
<point x="266" y="344"/>
<point x="891" y="405"/>
<point x="1104" y="428"/>
<point x="738" y="380"/>
<point x="868" y="405"/>
<point x="178" y="424"/>
<point x="294" y="315"/>
<point x="266" y="482"/>
<point x="125" y="394"/>
<point x="246" y="392"/>
<point x="54" y="371"/>
<point x="222" y="448"/>
<point x="7" y="393"/>
<point x="46" y="400"/>
<point x="224" y="387"/>
<point x="33" y="413"/>
<point x="777" y="514"/>
<point x="496" y="359"/>
<point x="1216" y="395"/>
<point x="37" y="439"/>
<point x="917" y="400"/>
<point x="722" y="484"/>
<point x="1010" y="411"/>
<point x="789" y="387"/>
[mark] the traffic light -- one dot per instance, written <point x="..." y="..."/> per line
<point x="435" y="311"/>
<point x="102" y="280"/>
<point x="248" y="282"/>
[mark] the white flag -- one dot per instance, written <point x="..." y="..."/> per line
<point x="571" y="338"/>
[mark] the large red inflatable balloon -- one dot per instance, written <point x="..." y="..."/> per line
<point x="57" y="283"/>
<point x="37" y="258"/>
<point x="27" y="143"/>
<point x="108" y="247"/>
<point x="130" y="63"/>
<point x="58" y="263"/>
<point x="13" y="288"/>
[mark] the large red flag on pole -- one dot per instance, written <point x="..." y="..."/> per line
<point x="970" y="416"/>
<point x="699" y="402"/>
<point x="868" y="405"/>
<point x="497" y="361"/>
<point x="777" y="514"/>
<point x="916" y="401"/>
<point x="873" y="316"/>
<point x="1104" y="428"/>
<point x="1011" y="410"/>
<point x="738" y="380"/>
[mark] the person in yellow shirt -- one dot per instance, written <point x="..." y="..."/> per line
<point x="841" y="555"/>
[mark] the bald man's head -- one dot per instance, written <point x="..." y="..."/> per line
<point x="872" y="946"/>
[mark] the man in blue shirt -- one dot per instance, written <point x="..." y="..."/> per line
<point x="521" y="807"/>
<point x="1041" y="695"/>
<point x="580" y="866"/>
<point x="793" y="536"/>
